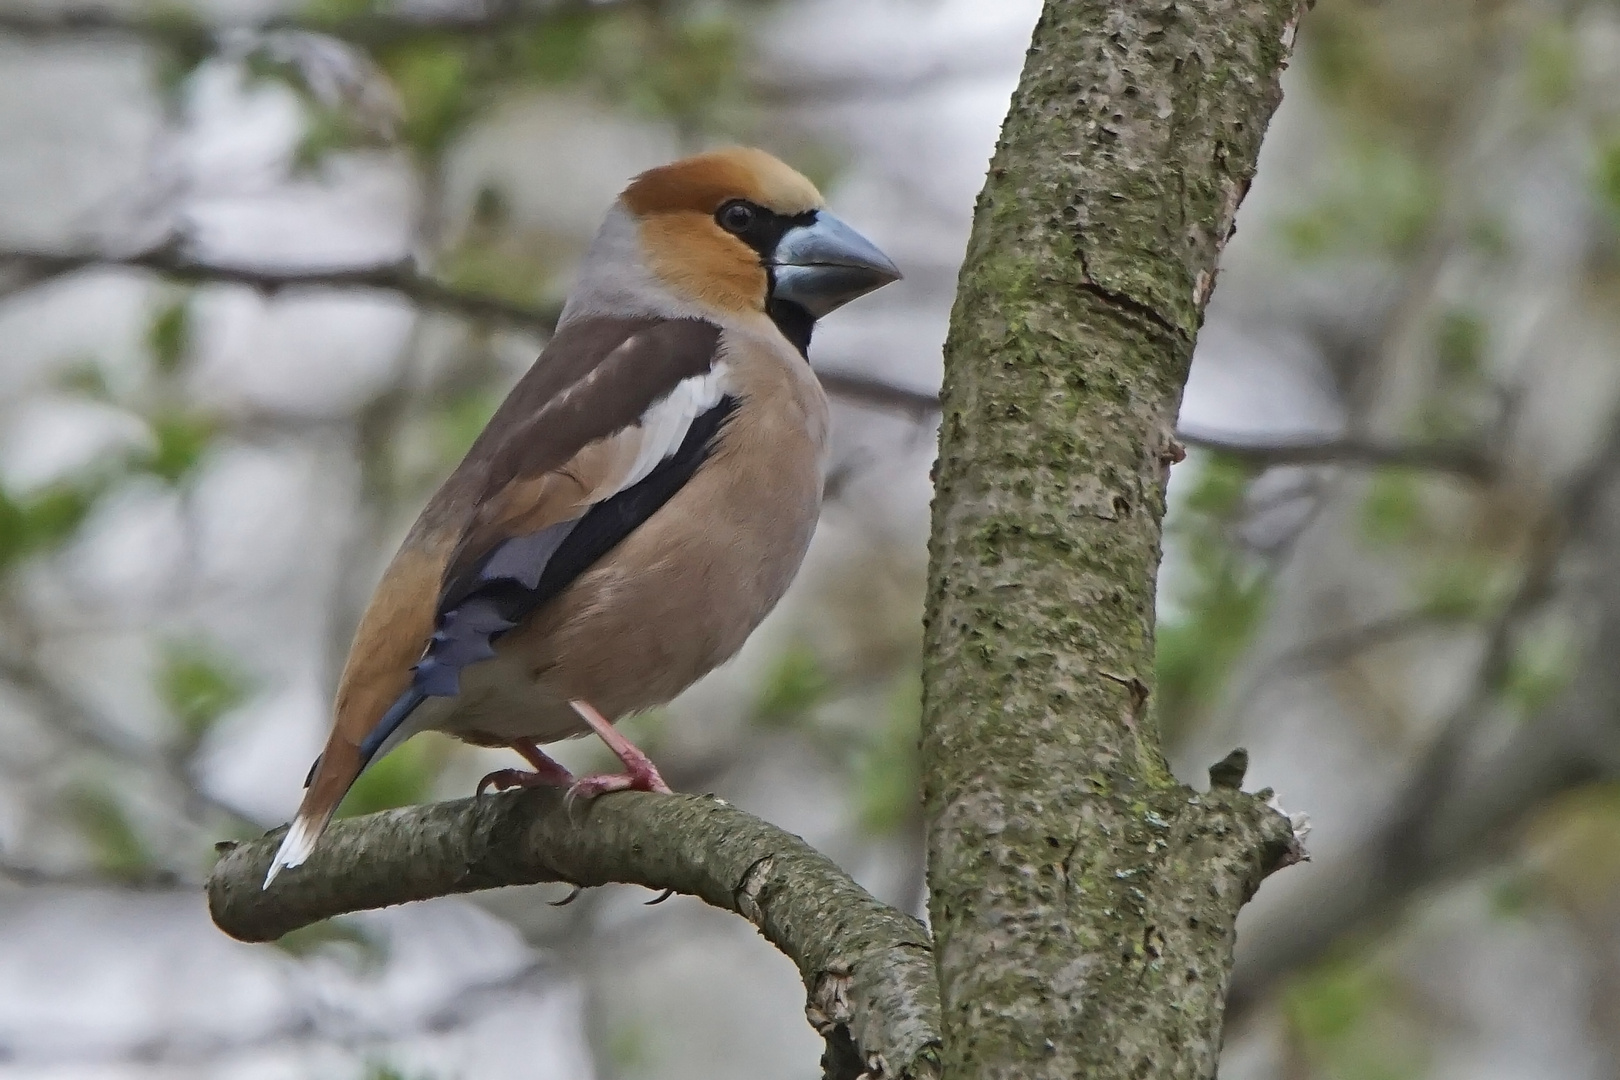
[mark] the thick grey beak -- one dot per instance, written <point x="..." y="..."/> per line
<point x="825" y="265"/>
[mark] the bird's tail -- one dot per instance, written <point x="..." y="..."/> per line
<point x="340" y="764"/>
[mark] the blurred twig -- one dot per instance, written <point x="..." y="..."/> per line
<point x="1336" y="648"/>
<point x="178" y="29"/>
<point x="32" y="268"/>
<point x="1346" y="450"/>
<point x="40" y="877"/>
<point x="857" y="389"/>
<point x="877" y="85"/>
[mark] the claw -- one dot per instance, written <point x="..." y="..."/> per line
<point x="504" y="779"/>
<point x="546" y="771"/>
<point x="640" y="774"/>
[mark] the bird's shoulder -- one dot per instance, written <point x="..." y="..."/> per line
<point x="596" y="377"/>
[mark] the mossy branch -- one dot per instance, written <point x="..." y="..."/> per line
<point x="1084" y="902"/>
<point x="867" y="968"/>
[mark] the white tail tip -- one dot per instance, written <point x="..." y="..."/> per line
<point x="295" y="847"/>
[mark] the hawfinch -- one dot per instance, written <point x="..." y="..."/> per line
<point x="637" y="504"/>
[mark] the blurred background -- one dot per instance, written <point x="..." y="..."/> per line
<point x="265" y="269"/>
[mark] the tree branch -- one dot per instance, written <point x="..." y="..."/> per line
<point x="31" y="268"/>
<point x="373" y="30"/>
<point x="867" y="968"/>
<point x="1462" y="461"/>
<point x="1346" y="450"/>
<point x="859" y="389"/>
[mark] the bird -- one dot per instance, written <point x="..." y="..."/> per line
<point x="635" y="506"/>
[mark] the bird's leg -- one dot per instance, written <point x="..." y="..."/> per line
<point x="640" y="774"/>
<point x="545" y="771"/>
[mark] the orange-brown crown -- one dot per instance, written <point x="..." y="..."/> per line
<point x="701" y="184"/>
<point x="675" y="207"/>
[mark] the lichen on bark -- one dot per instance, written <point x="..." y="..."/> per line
<point x="1083" y="901"/>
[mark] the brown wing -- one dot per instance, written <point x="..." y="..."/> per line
<point x="574" y="450"/>
<point x="559" y="443"/>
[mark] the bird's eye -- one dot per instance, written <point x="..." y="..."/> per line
<point x="736" y="217"/>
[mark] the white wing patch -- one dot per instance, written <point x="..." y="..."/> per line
<point x="665" y="423"/>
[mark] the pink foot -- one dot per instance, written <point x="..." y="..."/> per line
<point x="640" y="774"/>
<point x="546" y="771"/>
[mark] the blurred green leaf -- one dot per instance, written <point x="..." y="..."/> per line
<point x="494" y="269"/>
<point x="433" y="84"/>
<point x="1221" y="486"/>
<point x="1221" y="595"/>
<point x="459" y="421"/>
<point x="1381" y="202"/>
<point x="1446" y="418"/>
<point x="1537" y="672"/>
<point x="344" y="934"/>
<point x="1392" y="510"/>
<point x="43" y="520"/>
<point x="1573" y="848"/>
<point x="262" y="66"/>
<point x="198" y="684"/>
<point x="888" y="770"/>
<point x="87" y="379"/>
<point x="559" y="51"/>
<point x="1343" y="53"/>
<point x="492" y="209"/>
<point x="1195" y="655"/>
<point x="1332" y="1000"/>
<point x="52" y="516"/>
<point x="1353" y="1024"/>
<point x="181" y="442"/>
<point x="338" y="10"/>
<point x="14" y="538"/>
<point x="692" y="68"/>
<point x="327" y="130"/>
<point x="1465" y="588"/>
<point x="1460" y="340"/>
<point x="1550" y="65"/>
<point x="115" y="844"/>
<point x="1608" y="177"/>
<point x="629" y="1047"/>
<point x="1512" y="897"/>
<point x="168" y="338"/>
<point x="187" y="42"/>
<point x="1489" y="236"/>
<point x="403" y="777"/>
<point x="796" y="683"/>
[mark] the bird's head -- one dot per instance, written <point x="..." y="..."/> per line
<point x="738" y="230"/>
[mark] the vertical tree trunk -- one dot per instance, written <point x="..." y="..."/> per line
<point x="1083" y="901"/>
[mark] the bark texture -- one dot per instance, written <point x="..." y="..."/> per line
<point x="1084" y="901"/>
<point x="867" y="968"/>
